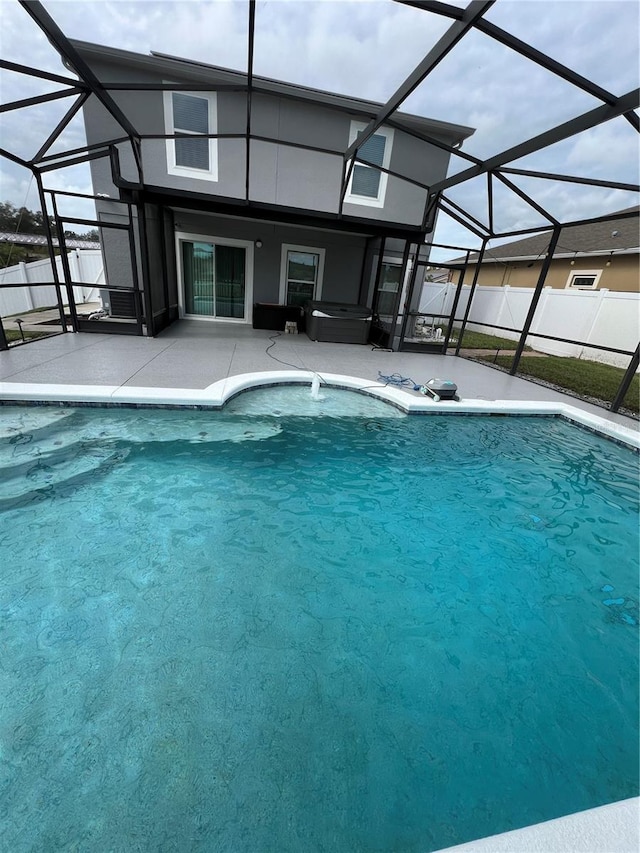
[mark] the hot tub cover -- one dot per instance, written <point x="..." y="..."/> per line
<point x="338" y="310"/>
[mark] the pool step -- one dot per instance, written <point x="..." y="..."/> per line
<point x="41" y="476"/>
<point x="135" y="427"/>
<point x="29" y="424"/>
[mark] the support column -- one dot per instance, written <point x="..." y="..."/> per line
<point x="626" y="380"/>
<point x="472" y="292"/>
<point x="454" y="307"/>
<point x="50" y="246"/>
<point x="67" y="270"/>
<point x="535" y="299"/>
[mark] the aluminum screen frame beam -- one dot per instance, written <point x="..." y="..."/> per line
<point x="61" y="43"/>
<point x="525" y="197"/>
<point x="62" y="124"/>
<point x="563" y="131"/>
<point x="571" y="179"/>
<point x="445" y="45"/>
<point x="528" y="51"/>
<point x="28" y="71"/>
<point x="537" y="293"/>
<point x="40" y="99"/>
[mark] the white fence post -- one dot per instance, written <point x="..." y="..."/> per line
<point x="501" y="309"/>
<point x="28" y="296"/>
<point x="594" y="320"/>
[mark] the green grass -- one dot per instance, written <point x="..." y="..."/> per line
<point x="29" y="313"/>
<point x="14" y="335"/>
<point x="584" y="378"/>
<point x="478" y="340"/>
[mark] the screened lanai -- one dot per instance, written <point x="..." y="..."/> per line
<point x="555" y="146"/>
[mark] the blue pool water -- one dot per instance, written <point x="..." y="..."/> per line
<point x="235" y="632"/>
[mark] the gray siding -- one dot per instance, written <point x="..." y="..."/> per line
<point x="280" y="174"/>
<point x="344" y="253"/>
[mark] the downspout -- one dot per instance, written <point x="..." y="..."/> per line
<point x="362" y="270"/>
<point x="144" y="265"/>
<point x="252" y="19"/>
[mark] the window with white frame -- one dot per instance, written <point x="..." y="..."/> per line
<point x="301" y="274"/>
<point x="367" y="184"/>
<point x="584" y="279"/>
<point x="194" y="114"/>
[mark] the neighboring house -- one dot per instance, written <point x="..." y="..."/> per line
<point x="219" y="238"/>
<point x="436" y="274"/>
<point x="600" y="255"/>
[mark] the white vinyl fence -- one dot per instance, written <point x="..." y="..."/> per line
<point x="600" y="317"/>
<point x="86" y="265"/>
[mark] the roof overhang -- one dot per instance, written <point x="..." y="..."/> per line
<point x="601" y="253"/>
<point x="264" y="212"/>
<point x="178" y="69"/>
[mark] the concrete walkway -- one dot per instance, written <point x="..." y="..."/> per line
<point x="194" y="354"/>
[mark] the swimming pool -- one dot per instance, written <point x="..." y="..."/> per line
<point x="368" y="632"/>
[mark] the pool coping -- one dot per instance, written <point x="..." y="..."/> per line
<point x="612" y="827"/>
<point x="216" y="395"/>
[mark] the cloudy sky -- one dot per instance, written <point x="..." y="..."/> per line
<point x="367" y="48"/>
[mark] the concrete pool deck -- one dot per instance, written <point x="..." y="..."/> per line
<point x="191" y="357"/>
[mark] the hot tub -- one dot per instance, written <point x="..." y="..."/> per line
<point x="338" y="322"/>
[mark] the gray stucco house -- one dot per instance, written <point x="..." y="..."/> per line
<point x="211" y="238"/>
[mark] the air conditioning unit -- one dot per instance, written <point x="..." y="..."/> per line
<point x="119" y="303"/>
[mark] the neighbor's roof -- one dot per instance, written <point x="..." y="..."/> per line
<point x="176" y="68"/>
<point x="621" y="236"/>
<point x="40" y="240"/>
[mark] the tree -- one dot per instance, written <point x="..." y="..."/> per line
<point x="21" y="220"/>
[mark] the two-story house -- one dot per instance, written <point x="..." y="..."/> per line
<point x="215" y="236"/>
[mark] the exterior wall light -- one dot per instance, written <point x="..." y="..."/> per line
<point x="258" y="244"/>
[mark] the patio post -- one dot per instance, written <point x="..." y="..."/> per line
<point x="535" y="298"/>
<point x="472" y="292"/>
<point x="145" y="264"/>
<point x="52" y="256"/>
<point x="398" y="300"/>
<point x="456" y="299"/>
<point x="409" y="297"/>
<point x="65" y="267"/>
<point x="626" y="380"/>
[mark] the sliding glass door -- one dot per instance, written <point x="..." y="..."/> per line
<point x="213" y="279"/>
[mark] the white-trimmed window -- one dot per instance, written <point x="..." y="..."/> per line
<point x="367" y="184"/>
<point x="301" y="274"/>
<point x="193" y="113"/>
<point x="584" y="279"/>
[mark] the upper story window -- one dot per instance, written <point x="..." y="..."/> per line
<point x="367" y="184"/>
<point x="193" y="113"/>
<point x="584" y="279"/>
